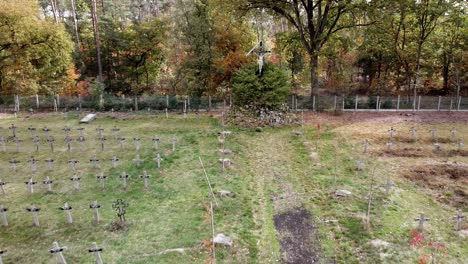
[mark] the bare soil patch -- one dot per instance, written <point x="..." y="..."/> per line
<point x="297" y="236"/>
<point x="449" y="181"/>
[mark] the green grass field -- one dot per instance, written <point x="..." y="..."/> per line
<point x="274" y="171"/>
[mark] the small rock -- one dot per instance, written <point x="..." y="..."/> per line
<point x="379" y="243"/>
<point x="342" y="193"/>
<point x="177" y="250"/>
<point x="226" y="162"/>
<point x="222" y="239"/>
<point x="298" y="133"/>
<point x="225" y="151"/>
<point x="224" y="193"/>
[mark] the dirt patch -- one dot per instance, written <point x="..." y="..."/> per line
<point x="448" y="181"/>
<point x="406" y="152"/>
<point x="297" y="236"/>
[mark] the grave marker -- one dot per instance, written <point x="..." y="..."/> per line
<point x="68" y="141"/>
<point x="156" y="141"/>
<point x="389" y="146"/>
<point x="116" y="132"/>
<point x="30" y="183"/>
<point x="360" y="165"/>
<point x="101" y="178"/>
<point x="102" y="139"/>
<point x="137" y="144"/>
<point x="46" y="131"/>
<point x="174" y="140"/>
<point x="81" y="140"/>
<point x="76" y="182"/>
<point x="73" y="163"/>
<point x="95" y="162"/>
<point x="33" y="164"/>
<point x="95" y="206"/>
<point x="124" y="176"/>
<point x="96" y="251"/>
<point x="99" y="129"/>
<point x="81" y="131"/>
<point x="32" y="131"/>
<point x="437" y="146"/>
<point x="48" y="182"/>
<point x="433" y="133"/>
<point x="460" y="145"/>
<point x="51" y="140"/>
<point x="388" y="186"/>
<point x="34" y="211"/>
<point x="50" y="162"/>
<point x="3" y="143"/>
<point x="58" y="252"/>
<point x="115" y="161"/>
<point x="137" y="160"/>
<point x="391" y="131"/>
<point x="122" y="142"/>
<point x="459" y="220"/>
<point x="67" y="209"/>
<point x="13" y="128"/>
<point x="421" y="220"/>
<point x="36" y="142"/>
<point x="13" y="163"/>
<point x="3" y="215"/>
<point x="2" y="252"/>
<point x="158" y="159"/>
<point x="453" y="132"/>
<point x="413" y="133"/>
<point x="120" y="206"/>
<point x="66" y="131"/>
<point x="145" y="178"/>
<point x="17" y="143"/>
<point x="2" y="187"/>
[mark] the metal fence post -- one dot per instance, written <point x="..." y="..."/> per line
<point x="209" y="102"/>
<point x="356" y="103"/>
<point x="313" y="103"/>
<point x="58" y="101"/>
<point x="167" y="101"/>
<point x="37" y="102"/>
<point x="136" y="103"/>
<point x="342" y="103"/>
<point x="438" y="103"/>
<point x="79" y="102"/>
<point x="459" y="103"/>
<point x="335" y="102"/>
<point x="451" y="104"/>
<point x="377" y="103"/>
<point x="419" y="102"/>
<point x="398" y="103"/>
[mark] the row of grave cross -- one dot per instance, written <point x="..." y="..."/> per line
<point x="76" y="182"/>
<point x="73" y="162"/>
<point x="392" y="131"/>
<point x="390" y="144"/>
<point x="119" y="206"/>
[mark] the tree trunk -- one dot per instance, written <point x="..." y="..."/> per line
<point x="313" y="75"/>
<point x="75" y="26"/>
<point x="96" y="39"/>
<point x="416" y="74"/>
<point x="53" y="4"/>
<point x="445" y="72"/>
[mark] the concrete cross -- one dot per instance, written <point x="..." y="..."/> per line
<point x="30" y="183"/>
<point x="101" y="178"/>
<point x="99" y="129"/>
<point x="34" y="211"/>
<point x="51" y="140"/>
<point x="360" y="165"/>
<point x="2" y="187"/>
<point x="67" y="209"/>
<point x="58" y="252"/>
<point x="32" y="131"/>
<point x="389" y="146"/>
<point x="48" y="182"/>
<point x="453" y="132"/>
<point x="68" y="141"/>
<point x="76" y="182"/>
<point x="460" y="145"/>
<point x="437" y="146"/>
<point x="145" y="178"/>
<point x="13" y="128"/>
<point x="17" y="142"/>
<point x="66" y="131"/>
<point x="124" y="176"/>
<point x="459" y="220"/>
<point x="46" y="131"/>
<point x="3" y="143"/>
<point x="156" y="141"/>
<point x="81" y="140"/>
<point x="33" y="163"/>
<point x="96" y="251"/>
<point x="137" y="160"/>
<point x="36" y="142"/>
<point x="158" y="160"/>
<point x="122" y="142"/>
<point x="421" y="220"/>
<point x="391" y="131"/>
<point x="115" y="161"/>
<point x="50" y="162"/>
<point x="3" y="215"/>
<point x="81" y="131"/>
<point x="2" y="252"/>
<point x="13" y="163"/>
<point x="95" y="162"/>
<point x="95" y="206"/>
<point x="102" y="139"/>
<point x="413" y="133"/>
<point x="120" y="206"/>
<point x="116" y="132"/>
<point x="73" y="163"/>
<point x="388" y="186"/>
<point x="433" y="133"/>
<point x="137" y="143"/>
<point x="174" y="140"/>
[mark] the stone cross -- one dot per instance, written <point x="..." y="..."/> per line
<point x="453" y="132"/>
<point x="50" y="162"/>
<point x="13" y="128"/>
<point x="30" y="183"/>
<point x="2" y="252"/>
<point x="36" y="142"/>
<point x="3" y="143"/>
<point x="66" y="131"/>
<point x="73" y="163"/>
<point x="81" y="131"/>
<point x="81" y="140"/>
<point x="99" y="130"/>
<point x="58" y="252"/>
<point x="17" y="142"/>
<point x="95" y="162"/>
<point x="391" y="131"/>
<point x="433" y="133"/>
<point x="145" y="178"/>
<point x="67" y="209"/>
<point x="96" y="251"/>
<point x="460" y="145"/>
<point x="225" y="162"/>
<point x="459" y="220"/>
<point x="13" y="163"/>
<point x="33" y="163"/>
<point x="137" y="160"/>
<point x="51" y="140"/>
<point x="95" y="206"/>
<point x="437" y="146"/>
<point x="34" y="211"/>
<point x="421" y="220"/>
<point x="48" y="182"/>
<point x="2" y="187"/>
<point x="122" y="142"/>
<point x="32" y="131"/>
<point x="76" y="182"/>
<point x="3" y="216"/>
<point x="68" y="141"/>
<point x="158" y="159"/>
<point x="116" y="132"/>
<point x="174" y="140"/>
<point x="101" y="179"/>
<point x="137" y="143"/>
<point x="156" y="142"/>
<point x="46" y="131"/>
<point x="124" y="176"/>
<point x="121" y="208"/>
<point x="389" y="146"/>
<point x="115" y="161"/>
<point x="413" y="133"/>
<point x="102" y="139"/>
<point x="388" y="186"/>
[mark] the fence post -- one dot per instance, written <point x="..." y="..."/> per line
<point x="58" y="101"/>
<point x="419" y="102"/>
<point x="398" y="103"/>
<point x="55" y="104"/>
<point x="167" y="101"/>
<point x="313" y="103"/>
<point x="451" y="103"/>
<point x="335" y="98"/>
<point x="459" y="103"/>
<point x="37" y="102"/>
<point x="209" y="102"/>
<point x="377" y="103"/>
<point x="342" y="103"/>
<point x="79" y="101"/>
<point x="188" y="103"/>
<point x="101" y="101"/>
<point x="136" y="103"/>
<point x="438" y="103"/>
<point x="356" y="103"/>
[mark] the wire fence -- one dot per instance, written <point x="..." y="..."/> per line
<point x="41" y="103"/>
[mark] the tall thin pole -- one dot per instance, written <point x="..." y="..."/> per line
<point x="96" y="38"/>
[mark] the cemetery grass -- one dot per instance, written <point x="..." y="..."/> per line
<point x="275" y="173"/>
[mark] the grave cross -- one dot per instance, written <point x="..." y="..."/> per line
<point x="389" y="146"/>
<point x="116" y="132"/>
<point x="68" y="141"/>
<point x="137" y="160"/>
<point x="73" y="163"/>
<point x="81" y="131"/>
<point x="58" y="252"/>
<point x="32" y="131"/>
<point x="122" y="142"/>
<point x="453" y="132"/>
<point x="50" y="162"/>
<point x="459" y="220"/>
<point x="17" y="142"/>
<point x="76" y="182"/>
<point x="2" y="187"/>
<point x="388" y="186"/>
<point x="30" y="183"/>
<point x="158" y="159"/>
<point x="13" y="163"/>
<point x="48" y="182"/>
<point x="67" y="209"/>
<point x="391" y="131"/>
<point x="95" y="206"/>
<point x="66" y="131"/>
<point x="421" y="220"/>
<point x="99" y="130"/>
<point x="51" y="140"/>
<point x="156" y="142"/>
<point x="174" y="140"/>
<point x="460" y="145"/>
<point x="36" y="142"/>
<point x="81" y="140"/>
<point x="102" y="139"/>
<point x="101" y="179"/>
<point x="95" y="162"/>
<point x="137" y="143"/>
<point x="121" y="208"/>
<point x="437" y="146"/>
<point x="13" y="128"/>
<point x="2" y="252"/>
<point x="433" y="133"/>
<point x="33" y="163"/>
<point x="124" y="176"/>
<point x="46" y="131"/>
<point x="115" y="161"/>
<point x="96" y="251"/>
<point x="3" y="211"/>
<point x="413" y="133"/>
<point x="360" y="165"/>
<point x="3" y="143"/>
<point x="34" y="210"/>
<point x="145" y="178"/>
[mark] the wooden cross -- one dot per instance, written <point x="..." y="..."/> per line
<point x="95" y="206"/>
<point x="33" y="163"/>
<point x="158" y="159"/>
<point x="421" y="220"/>
<point x="81" y="131"/>
<point x="115" y="161"/>
<point x="51" y="140"/>
<point x="116" y="132"/>
<point x="32" y="131"/>
<point x="13" y="163"/>
<point x="73" y="163"/>
<point x="50" y="162"/>
<point x="121" y="208"/>
<point x="76" y="182"/>
<point x="46" y="131"/>
<point x="30" y="183"/>
<point x="459" y="220"/>
<point x="145" y="178"/>
<point x="95" y="162"/>
<point x="34" y="210"/>
<point x="137" y="160"/>
<point x="124" y="176"/>
<point x="58" y="252"/>
<point x="2" y="187"/>
<point x="101" y="179"/>
<point x="67" y="209"/>
<point x="68" y="140"/>
<point x="137" y="143"/>
<point x="122" y="142"/>
<point x="3" y="216"/>
<point x="13" y="128"/>
<point x="156" y="142"/>
<point x="36" y="142"/>
<point x="48" y="182"/>
<point x="96" y="251"/>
